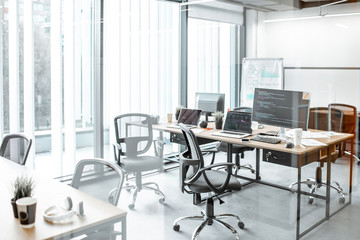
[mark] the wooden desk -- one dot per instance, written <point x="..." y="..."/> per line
<point x="298" y="153"/>
<point x="48" y="192"/>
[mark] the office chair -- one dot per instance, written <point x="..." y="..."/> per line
<point x="134" y="138"/>
<point x="102" y="180"/>
<point x="195" y="178"/>
<point x="238" y="150"/>
<point x="15" y="147"/>
<point x="348" y="125"/>
<point x="319" y="118"/>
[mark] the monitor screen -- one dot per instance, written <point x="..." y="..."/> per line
<point x="189" y="116"/>
<point x="210" y="102"/>
<point x="238" y="122"/>
<point x="281" y="108"/>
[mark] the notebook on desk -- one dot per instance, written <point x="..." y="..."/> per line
<point x="237" y="125"/>
<point x="189" y="117"/>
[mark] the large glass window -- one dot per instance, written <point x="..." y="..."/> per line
<point x="141" y="59"/>
<point x="211" y="64"/>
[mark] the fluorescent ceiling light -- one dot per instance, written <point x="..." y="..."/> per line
<point x="310" y="17"/>
<point x="196" y="2"/>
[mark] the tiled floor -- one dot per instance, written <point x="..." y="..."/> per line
<point x="268" y="213"/>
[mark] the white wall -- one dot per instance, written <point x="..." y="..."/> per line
<point x="330" y="42"/>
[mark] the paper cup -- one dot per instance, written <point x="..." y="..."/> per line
<point x="297" y="136"/>
<point x="26" y="211"/>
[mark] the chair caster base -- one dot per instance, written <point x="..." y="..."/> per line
<point x="176" y="227"/>
<point x="241" y="225"/>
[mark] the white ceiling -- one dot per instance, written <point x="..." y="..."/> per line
<point x="262" y="5"/>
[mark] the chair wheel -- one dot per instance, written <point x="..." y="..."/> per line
<point x="241" y="225"/>
<point x="176" y="227"/>
<point x="311" y="200"/>
<point x="252" y="171"/>
<point x="131" y="206"/>
<point x="309" y="185"/>
<point x="341" y="200"/>
<point x="161" y="200"/>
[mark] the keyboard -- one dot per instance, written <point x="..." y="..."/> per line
<point x="266" y="139"/>
<point x="230" y="135"/>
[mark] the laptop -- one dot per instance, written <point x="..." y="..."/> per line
<point x="189" y="117"/>
<point x="237" y="125"/>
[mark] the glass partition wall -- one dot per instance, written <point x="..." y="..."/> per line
<point x="50" y="64"/>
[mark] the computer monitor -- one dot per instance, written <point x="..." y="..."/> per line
<point x="281" y="108"/>
<point x="209" y="102"/>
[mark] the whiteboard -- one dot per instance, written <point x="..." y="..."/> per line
<point x="259" y="73"/>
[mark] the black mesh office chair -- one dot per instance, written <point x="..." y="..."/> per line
<point x="196" y="178"/>
<point x="16" y="147"/>
<point x="238" y="150"/>
<point x="319" y="118"/>
<point x="134" y="138"/>
<point x="102" y="180"/>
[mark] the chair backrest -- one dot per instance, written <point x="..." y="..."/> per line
<point x="191" y="160"/>
<point x="15" y="147"/>
<point x="243" y="109"/>
<point x="349" y="117"/>
<point x="133" y="133"/>
<point x="319" y="118"/>
<point x="99" y="178"/>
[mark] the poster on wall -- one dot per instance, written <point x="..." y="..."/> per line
<point x="260" y="73"/>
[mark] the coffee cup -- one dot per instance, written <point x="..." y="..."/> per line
<point x="297" y="136"/>
<point x="26" y="210"/>
<point x="169" y="117"/>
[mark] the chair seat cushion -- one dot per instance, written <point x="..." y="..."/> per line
<point x="141" y="163"/>
<point x="235" y="148"/>
<point x="217" y="178"/>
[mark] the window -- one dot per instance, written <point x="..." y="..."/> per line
<point x="210" y="63"/>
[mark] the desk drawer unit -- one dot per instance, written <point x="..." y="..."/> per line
<point x="179" y="139"/>
<point x="290" y="160"/>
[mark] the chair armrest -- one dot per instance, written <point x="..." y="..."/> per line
<point x="117" y="150"/>
<point x="222" y="188"/>
<point x="159" y="148"/>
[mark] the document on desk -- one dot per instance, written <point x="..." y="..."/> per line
<point x="197" y="130"/>
<point x="307" y="134"/>
<point x="311" y="142"/>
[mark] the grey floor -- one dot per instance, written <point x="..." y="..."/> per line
<point x="268" y="212"/>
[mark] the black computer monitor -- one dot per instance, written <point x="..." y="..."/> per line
<point x="281" y="108"/>
<point x="209" y="102"/>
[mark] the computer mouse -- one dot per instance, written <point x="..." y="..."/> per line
<point x="289" y="145"/>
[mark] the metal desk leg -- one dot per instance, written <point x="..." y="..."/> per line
<point x="328" y="180"/>
<point x="258" y="164"/>
<point x="229" y="152"/>
<point x="298" y="201"/>
<point x="351" y="167"/>
<point x="123" y="229"/>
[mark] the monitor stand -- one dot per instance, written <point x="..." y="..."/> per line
<point x="207" y="114"/>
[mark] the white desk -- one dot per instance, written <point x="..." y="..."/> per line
<point x="99" y="214"/>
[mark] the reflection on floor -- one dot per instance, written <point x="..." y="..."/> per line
<point x="268" y="213"/>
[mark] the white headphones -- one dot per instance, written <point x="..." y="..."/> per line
<point x="61" y="213"/>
